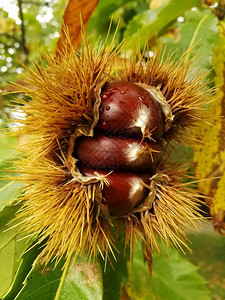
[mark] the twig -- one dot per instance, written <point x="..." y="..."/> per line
<point x="23" y="35"/>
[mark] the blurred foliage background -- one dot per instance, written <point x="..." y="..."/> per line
<point x="29" y="28"/>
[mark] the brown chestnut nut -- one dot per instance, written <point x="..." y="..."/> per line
<point x="114" y="153"/>
<point x="124" y="191"/>
<point x="127" y="114"/>
<point x="129" y="109"/>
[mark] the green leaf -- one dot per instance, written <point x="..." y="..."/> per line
<point x="208" y="253"/>
<point x="6" y="260"/>
<point x="141" y="20"/>
<point x="114" y="278"/>
<point x="165" y="14"/>
<point x="199" y="30"/>
<point x="7" y="143"/>
<point x="7" y="215"/>
<point x="41" y="284"/>
<point x="7" y="156"/>
<point x="4" y="175"/>
<point x="173" y="278"/>
<point x="119" y="12"/>
<point x="9" y="192"/>
<point x="27" y="261"/>
<point x="101" y="16"/>
<point x="127" y="11"/>
<point x="12" y="245"/>
<point x="83" y="281"/>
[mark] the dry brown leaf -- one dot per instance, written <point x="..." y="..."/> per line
<point x="76" y="15"/>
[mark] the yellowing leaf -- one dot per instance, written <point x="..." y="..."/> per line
<point x="75" y="11"/>
<point x="209" y="153"/>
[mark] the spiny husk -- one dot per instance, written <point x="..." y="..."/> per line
<point x="171" y="209"/>
<point x="186" y="94"/>
<point x="57" y="207"/>
<point x="60" y="207"/>
<point x="67" y="217"/>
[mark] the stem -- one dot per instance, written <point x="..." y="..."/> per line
<point x="115" y="272"/>
<point x="66" y="267"/>
<point x="23" y="32"/>
<point x="37" y="3"/>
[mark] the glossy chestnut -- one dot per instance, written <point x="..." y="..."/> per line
<point x="115" y="153"/>
<point x="124" y="190"/>
<point x="129" y="109"/>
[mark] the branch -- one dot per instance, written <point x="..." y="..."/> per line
<point x="23" y="35"/>
<point x="37" y="3"/>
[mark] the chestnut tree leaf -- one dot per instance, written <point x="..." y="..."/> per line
<point x="209" y="152"/>
<point x="154" y="4"/>
<point x="142" y="26"/>
<point x="141" y="21"/>
<point x="81" y="281"/>
<point x="198" y="30"/>
<point x="27" y="260"/>
<point x="119" y="12"/>
<point x="12" y="245"/>
<point x="76" y="12"/>
<point x="7" y="254"/>
<point x="7" y="155"/>
<point x="9" y="192"/>
<point x="174" y="278"/>
<point x="41" y="284"/>
<point x="7" y="143"/>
